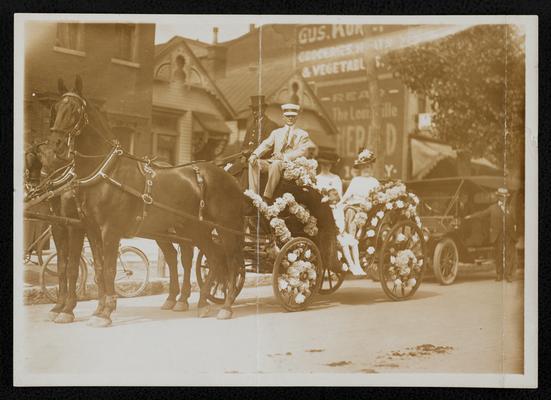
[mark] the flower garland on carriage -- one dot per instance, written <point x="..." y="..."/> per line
<point x="300" y="271"/>
<point x="371" y="222"/>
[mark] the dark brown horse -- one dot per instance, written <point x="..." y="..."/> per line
<point x="109" y="212"/>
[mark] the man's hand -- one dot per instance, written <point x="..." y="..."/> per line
<point x="253" y="159"/>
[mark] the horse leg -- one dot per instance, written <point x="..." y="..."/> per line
<point x="186" y="256"/>
<point x="111" y="241"/>
<point x="96" y="245"/>
<point x="60" y="236"/>
<point x="171" y="258"/>
<point x="215" y="260"/>
<point x="234" y="257"/>
<point x="76" y="242"/>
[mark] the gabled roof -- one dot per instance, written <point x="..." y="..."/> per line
<point x="163" y="48"/>
<point x="238" y="85"/>
<point x="266" y="79"/>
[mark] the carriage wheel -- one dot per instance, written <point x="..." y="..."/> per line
<point x="332" y="280"/>
<point x="132" y="272"/>
<point x="446" y="261"/>
<point x="402" y="261"/>
<point x="217" y="293"/>
<point x="297" y="274"/>
<point x="49" y="278"/>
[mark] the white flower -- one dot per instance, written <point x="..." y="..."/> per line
<point x="288" y="197"/>
<point x="370" y="233"/>
<point x="398" y="282"/>
<point x="401" y="237"/>
<point x="307" y="253"/>
<point x="415" y="237"/>
<point x="299" y="298"/>
<point x="292" y="257"/>
<point x="371" y="250"/>
<point x="420" y="263"/>
<point x="312" y="275"/>
<point x="392" y="260"/>
<point x="368" y="205"/>
<point x="282" y="283"/>
<point x="411" y="282"/>
<point x="380" y="214"/>
<point x="405" y="271"/>
<point x="294" y="282"/>
<point x="374" y="221"/>
<point x="400" y="204"/>
<point x="388" y="206"/>
<point x="417" y="220"/>
<point x="344" y="267"/>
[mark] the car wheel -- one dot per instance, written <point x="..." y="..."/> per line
<point x="446" y="261"/>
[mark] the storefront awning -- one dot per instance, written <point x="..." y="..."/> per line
<point x="209" y="123"/>
<point x="426" y="154"/>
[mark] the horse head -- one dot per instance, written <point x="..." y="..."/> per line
<point x="33" y="165"/>
<point x="68" y="117"/>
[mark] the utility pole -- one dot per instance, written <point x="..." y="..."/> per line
<point x="375" y="123"/>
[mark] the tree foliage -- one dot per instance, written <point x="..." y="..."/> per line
<point x="475" y="82"/>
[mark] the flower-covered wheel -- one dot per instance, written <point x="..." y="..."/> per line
<point x="402" y="260"/>
<point x="297" y="274"/>
<point x="218" y="290"/>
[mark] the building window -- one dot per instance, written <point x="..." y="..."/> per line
<point x="126" y="41"/>
<point x="167" y="146"/>
<point x="69" y="36"/>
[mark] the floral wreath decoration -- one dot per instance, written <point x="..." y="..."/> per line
<point x="392" y="197"/>
<point x="300" y="272"/>
<point x="300" y="275"/>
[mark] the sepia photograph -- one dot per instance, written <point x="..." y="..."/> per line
<point x="275" y="200"/>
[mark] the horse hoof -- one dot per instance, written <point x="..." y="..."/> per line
<point x="203" y="312"/>
<point x="168" y="305"/>
<point x="64" y="318"/>
<point x="181" y="306"/>
<point x="99" y="322"/>
<point x="52" y="315"/>
<point x="224" y="314"/>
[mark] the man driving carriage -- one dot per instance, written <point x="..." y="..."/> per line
<point x="286" y="144"/>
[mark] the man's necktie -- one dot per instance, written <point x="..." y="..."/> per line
<point x="286" y="141"/>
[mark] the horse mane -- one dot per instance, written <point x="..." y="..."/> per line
<point x="96" y="117"/>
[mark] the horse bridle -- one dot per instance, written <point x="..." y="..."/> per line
<point x="77" y="129"/>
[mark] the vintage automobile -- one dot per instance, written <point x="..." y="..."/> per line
<point x="444" y="202"/>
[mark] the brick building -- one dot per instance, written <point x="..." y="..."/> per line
<point x="115" y="62"/>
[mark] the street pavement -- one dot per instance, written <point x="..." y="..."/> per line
<point x="472" y="326"/>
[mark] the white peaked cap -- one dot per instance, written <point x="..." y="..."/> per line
<point x="290" y="109"/>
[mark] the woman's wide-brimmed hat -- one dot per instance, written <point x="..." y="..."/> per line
<point x="365" y="157"/>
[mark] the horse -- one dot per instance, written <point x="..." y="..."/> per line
<point x="33" y="173"/>
<point x="111" y="201"/>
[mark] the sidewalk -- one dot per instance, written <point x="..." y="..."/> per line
<point x="158" y="283"/>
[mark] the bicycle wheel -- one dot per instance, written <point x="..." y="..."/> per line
<point x="132" y="272"/>
<point x="49" y="277"/>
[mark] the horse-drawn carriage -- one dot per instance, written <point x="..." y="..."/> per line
<point x="115" y="194"/>
<point x="392" y="245"/>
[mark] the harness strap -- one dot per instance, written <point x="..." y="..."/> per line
<point x="201" y="184"/>
<point x="134" y="192"/>
<point x="149" y="174"/>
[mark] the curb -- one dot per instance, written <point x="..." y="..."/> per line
<point x="33" y="294"/>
